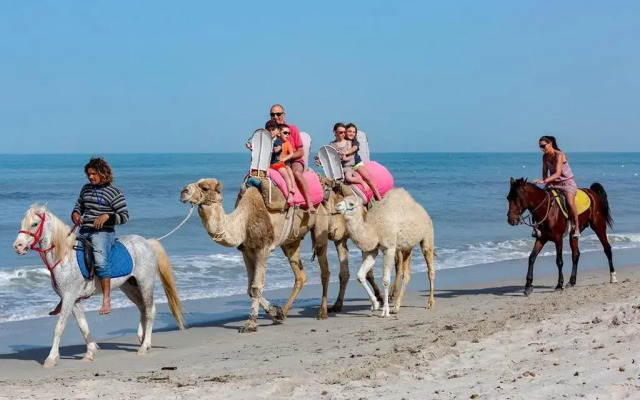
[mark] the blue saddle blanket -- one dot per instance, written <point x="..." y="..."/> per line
<point x="119" y="258"/>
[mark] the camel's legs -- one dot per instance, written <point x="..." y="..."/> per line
<point x="249" y="261"/>
<point x="292" y="252"/>
<point x="404" y="268"/>
<point x="400" y="259"/>
<point x="343" y="256"/>
<point x="92" y="346"/>
<point x="388" y="258"/>
<point x="427" y="252"/>
<point x="320" y="241"/>
<point x="68" y="302"/>
<point x="368" y="260"/>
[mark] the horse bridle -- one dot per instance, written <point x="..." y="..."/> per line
<point x="36" y="240"/>
<point x="531" y="223"/>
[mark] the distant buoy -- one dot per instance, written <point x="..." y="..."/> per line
<point x="523" y="166"/>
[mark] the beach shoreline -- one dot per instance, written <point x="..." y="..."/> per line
<point x="353" y="353"/>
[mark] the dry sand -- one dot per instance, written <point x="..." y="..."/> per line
<point x="485" y="342"/>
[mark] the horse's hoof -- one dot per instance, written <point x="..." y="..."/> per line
<point x="87" y="359"/>
<point x="322" y="315"/>
<point x="385" y="312"/>
<point x="375" y="306"/>
<point x="558" y="289"/>
<point x="142" y="351"/>
<point x="49" y="363"/>
<point x="430" y="304"/>
<point x="527" y="291"/>
<point x="613" y="278"/>
<point x="395" y="310"/>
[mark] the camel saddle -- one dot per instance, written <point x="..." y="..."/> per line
<point x="271" y="184"/>
<point x="583" y="202"/>
<point x="332" y="166"/>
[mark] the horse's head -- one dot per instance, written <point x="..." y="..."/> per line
<point x="31" y="229"/>
<point x="518" y="201"/>
<point x="205" y="191"/>
<point x="348" y="205"/>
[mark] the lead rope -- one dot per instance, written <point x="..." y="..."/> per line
<point x="179" y="225"/>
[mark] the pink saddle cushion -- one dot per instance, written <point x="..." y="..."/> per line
<point x="380" y="175"/>
<point x="313" y="183"/>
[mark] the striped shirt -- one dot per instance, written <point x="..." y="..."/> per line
<point x="95" y="201"/>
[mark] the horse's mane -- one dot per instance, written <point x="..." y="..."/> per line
<point x="60" y="238"/>
<point x="516" y="184"/>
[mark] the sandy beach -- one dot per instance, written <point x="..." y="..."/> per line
<point x="480" y="341"/>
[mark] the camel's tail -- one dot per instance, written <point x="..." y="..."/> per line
<point x="168" y="283"/>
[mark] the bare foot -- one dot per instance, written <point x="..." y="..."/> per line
<point x="106" y="307"/>
<point x="56" y="311"/>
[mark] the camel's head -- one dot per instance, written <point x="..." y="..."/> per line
<point x="328" y="186"/>
<point x="348" y="205"/>
<point x="205" y="191"/>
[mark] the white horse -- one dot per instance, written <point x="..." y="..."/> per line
<point x="45" y="233"/>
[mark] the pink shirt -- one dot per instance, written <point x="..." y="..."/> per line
<point x="294" y="139"/>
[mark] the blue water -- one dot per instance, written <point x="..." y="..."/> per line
<point x="464" y="194"/>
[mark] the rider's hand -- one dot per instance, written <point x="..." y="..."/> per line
<point x="538" y="181"/>
<point x="248" y="144"/>
<point x="99" y="222"/>
<point x="76" y="218"/>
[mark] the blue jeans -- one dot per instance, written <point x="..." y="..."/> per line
<point x="102" y="243"/>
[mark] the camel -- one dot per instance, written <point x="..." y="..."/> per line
<point x="337" y="232"/>
<point x="397" y="223"/>
<point x="256" y="231"/>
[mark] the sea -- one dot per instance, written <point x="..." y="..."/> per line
<point x="465" y="194"/>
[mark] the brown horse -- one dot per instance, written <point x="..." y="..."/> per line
<point x="549" y="223"/>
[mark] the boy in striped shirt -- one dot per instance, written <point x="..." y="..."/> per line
<point x="100" y="207"/>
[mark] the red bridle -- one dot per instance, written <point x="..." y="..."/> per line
<point x="36" y="240"/>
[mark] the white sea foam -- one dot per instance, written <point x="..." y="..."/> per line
<point x="25" y="292"/>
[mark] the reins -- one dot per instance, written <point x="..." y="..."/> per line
<point x="43" y="252"/>
<point x="533" y="224"/>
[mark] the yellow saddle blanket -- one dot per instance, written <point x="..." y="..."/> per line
<point x="583" y="202"/>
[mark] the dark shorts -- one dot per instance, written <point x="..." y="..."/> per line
<point x="297" y="162"/>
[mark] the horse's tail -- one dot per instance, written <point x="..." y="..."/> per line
<point x="604" y="202"/>
<point x="168" y="283"/>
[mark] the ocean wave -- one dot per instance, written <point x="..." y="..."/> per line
<point x="25" y="291"/>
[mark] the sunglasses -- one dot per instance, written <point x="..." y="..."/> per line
<point x="276" y="114"/>
<point x="542" y="146"/>
<point x="285" y="133"/>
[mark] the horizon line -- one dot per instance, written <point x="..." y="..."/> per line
<point x="380" y="152"/>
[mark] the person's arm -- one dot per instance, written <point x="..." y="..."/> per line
<point x="354" y="147"/>
<point x="276" y="149"/>
<point x="545" y="172"/>
<point x="78" y="209"/>
<point x="556" y="175"/>
<point x="120" y="213"/>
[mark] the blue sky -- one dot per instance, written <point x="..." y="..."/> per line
<point x="200" y="76"/>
